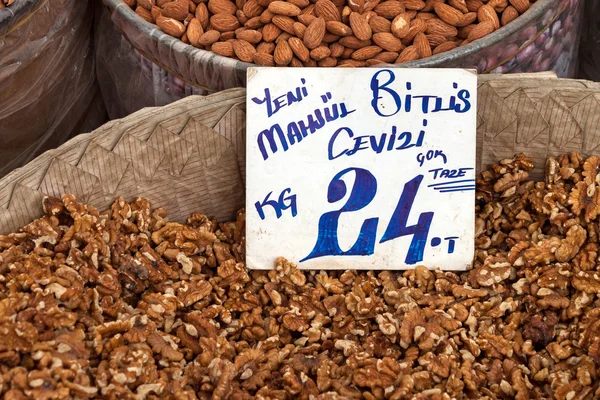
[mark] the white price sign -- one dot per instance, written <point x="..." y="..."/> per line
<point x="360" y="168"/>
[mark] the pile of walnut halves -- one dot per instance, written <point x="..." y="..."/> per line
<point x="124" y="305"/>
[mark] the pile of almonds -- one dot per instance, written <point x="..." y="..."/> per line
<point x="125" y="304"/>
<point x="328" y="33"/>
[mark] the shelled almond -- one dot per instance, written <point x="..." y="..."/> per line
<point x="328" y="32"/>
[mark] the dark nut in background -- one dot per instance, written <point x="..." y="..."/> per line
<point x="129" y="304"/>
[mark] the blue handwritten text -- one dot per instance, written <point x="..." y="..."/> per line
<point x="431" y="155"/>
<point x="284" y="202"/>
<point x="377" y="143"/>
<point x="296" y="131"/>
<point x="380" y="87"/>
<point x="449" y="173"/>
<point x="362" y="193"/>
<point x="275" y="104"/>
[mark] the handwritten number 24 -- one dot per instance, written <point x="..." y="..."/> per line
<point x="362" y="193"/>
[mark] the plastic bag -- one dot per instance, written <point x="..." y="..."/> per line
<point x="144" y="85"/>
<point x="48" y="90"/>
<point x="589" y="62"/>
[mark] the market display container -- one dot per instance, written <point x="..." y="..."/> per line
<point x="48" y="89"/>
<point x="545" y="38"/>
<point x="189" y="156"/>
<point x="162" y="69"/>
<point x="88" y="312"/>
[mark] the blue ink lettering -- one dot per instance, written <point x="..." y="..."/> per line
<point x="431" y="155"/>
<point x="269" y="135"/>
<point x="279" y="206"/>
<point x="407" y="136"/>
<point x="376" y="87"/>
<point x="332" y="141"/>
<point x="362" y="193"/>
<point x="287" y="99"/>
<point x="360" y="143"/>
<point x="449" y="182"/>
<point x="429" y="102"/>
<point x="458" y="190"/>
<point x="276" y="138"/>
<point x="421" y="135"/>
<point x="463" y="95"/>
<point x="398" y="224"/>
<point x="377" y="143"/>
<point x="294" y="135"/>
<point x="425" y="102"/>
<point x="449" y="173"/>
<point x="408" y="99"/>
<point x="451" y="242"/>
<point x="378" y="147"/>
<point x="315" y="123"/>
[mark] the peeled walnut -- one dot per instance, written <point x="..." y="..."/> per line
<point x="125" y="304"/>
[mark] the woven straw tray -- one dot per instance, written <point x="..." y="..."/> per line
<point x="189" y="156"/>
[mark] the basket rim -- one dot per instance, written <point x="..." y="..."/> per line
<point x="143" y="26"/>
<point x="536" y="10"/>
<point x="151" y="30"/>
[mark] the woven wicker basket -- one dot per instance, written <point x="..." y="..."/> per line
<point x="189" y="156"/>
